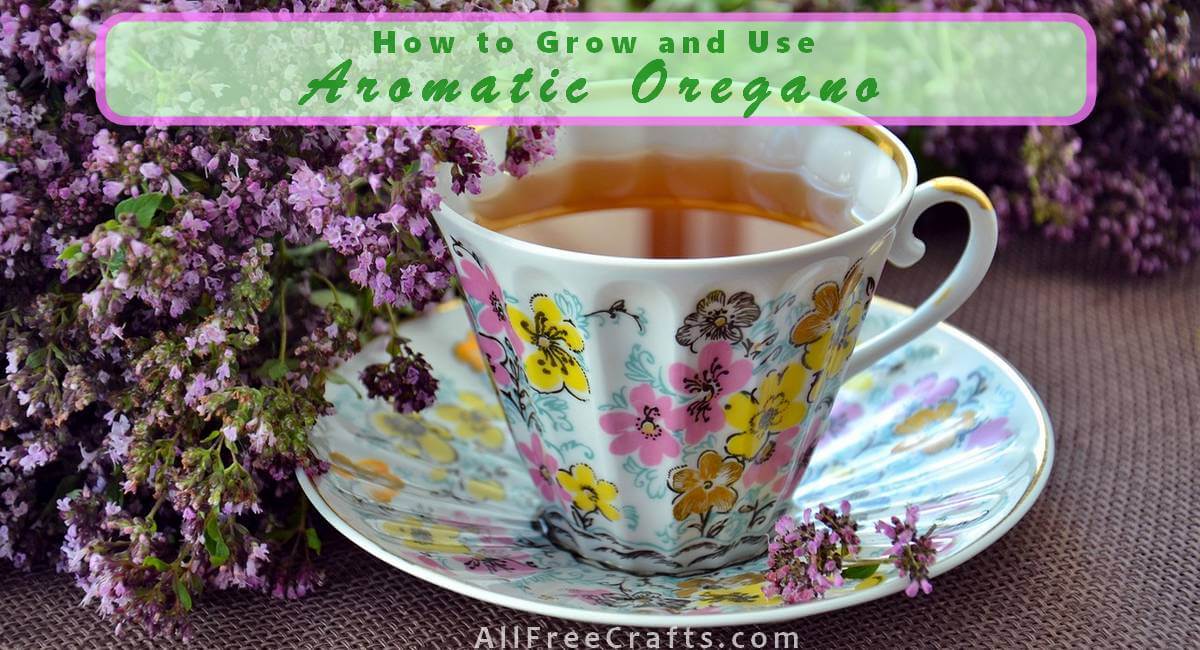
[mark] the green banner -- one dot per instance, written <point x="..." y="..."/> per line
<point x="258" y="68"/>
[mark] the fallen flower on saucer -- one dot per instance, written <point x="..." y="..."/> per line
<point x="912" y="553"/>
<point x="406" y="380"/>
<point x="805" y="560"/>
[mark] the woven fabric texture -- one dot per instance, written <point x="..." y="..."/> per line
<point x="1107" y="557"/>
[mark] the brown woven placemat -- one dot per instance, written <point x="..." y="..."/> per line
<point x="1106" y="558"/>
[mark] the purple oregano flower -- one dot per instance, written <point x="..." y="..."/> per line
<point x="805" y="560"/>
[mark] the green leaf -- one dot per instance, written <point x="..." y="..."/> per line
<point x="71" y="251"/>
<point x="324" y="298"/>
<point x="860" y="572"/>
<point x="142" y="207"/>
<point x="154" y="563"/>
<point x="218" y="551"/>
<point x="116" y="261"/>
<point x="36" y="359"/>
<point x="306" y="250"/>
<point x="193" y="181"/>
<point x="181" y="592"/>
<point x="314" y="542"/>
<point x="280" y="535"/>
<point x="275" y="369"/>
<point x="334" y="378"/>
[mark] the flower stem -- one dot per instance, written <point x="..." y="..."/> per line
<point x="283" y="327"/>
<point x="392" y="319"/>
<point x="861" y="562"/>
<point x="305" y="251"/>
<point x="337" y="296"/>
<point x="154" y="509"/>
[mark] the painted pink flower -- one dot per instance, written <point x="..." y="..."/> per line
<point x="840" y="417"/>
<point x="495" y="556"/>
<point x="647" y="427"/>
<point x="493" y="353"/>
<point x="475" y="524"/>
<point x="542" y="469"/>
<point x="716" y="375"/>
<point x="480" y="283"/>
<point x="774" y="459"/>
<point x="515" y="564"/>
<point x="989" y="433"/>
<point x="927" y="390"/>
<point x="593" y="596"/>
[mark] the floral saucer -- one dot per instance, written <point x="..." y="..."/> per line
<point x="944" y="423"/>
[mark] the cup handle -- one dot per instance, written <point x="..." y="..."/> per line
<point x="908" y="250"/>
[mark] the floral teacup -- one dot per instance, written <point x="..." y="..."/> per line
<point x="666" y="408"/>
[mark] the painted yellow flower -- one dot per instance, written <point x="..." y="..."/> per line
<point x="342" y="465"/>
<point x="938" y="427"/>
<point x="776" y="406"/>
<point x="923" y="418"/>
<point x="426" y="536"/>
<point x="870" y="581"/>
<point x="708" y="486"/>
<point x="845" y="344"/>
<point x="744" y="589"/>
<point x="553" y="364"/>
<point x="384" y="484"/>
<point x="815" y="329"/>
<point x="474" y="418"/>
<point x="816" y="353"/>
<point x="835" y="354"/>
<point x="468" y="352"/>
<point x="418" y="436"/>
<point x="485" y="489"/>
<point x="749" y="595"/>
<point x="587" y="493"/>
<point x="688" y="587"/>
<point x="860" y="383"/>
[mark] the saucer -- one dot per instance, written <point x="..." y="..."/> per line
<point x="944" y="423"/>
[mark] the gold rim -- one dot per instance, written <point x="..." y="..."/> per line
<point x="963" y="188"/>
<point x="876" y="135"/>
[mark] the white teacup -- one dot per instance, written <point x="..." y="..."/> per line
<point x="666" y="408"/>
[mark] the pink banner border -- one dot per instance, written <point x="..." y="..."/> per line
<point x="482" y="17"/>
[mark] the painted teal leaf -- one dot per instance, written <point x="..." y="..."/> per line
<point x="554" y="408"/>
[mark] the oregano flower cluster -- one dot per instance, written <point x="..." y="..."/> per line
<point x="172" y="302"/>
<point x="808" y="557"/>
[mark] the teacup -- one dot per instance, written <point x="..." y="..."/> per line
<point x="667" y="408"/>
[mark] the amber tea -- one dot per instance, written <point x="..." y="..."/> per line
<point x="656" y="206"/>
